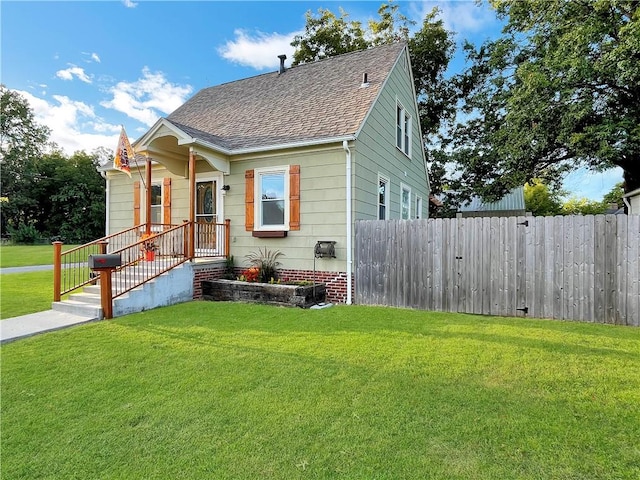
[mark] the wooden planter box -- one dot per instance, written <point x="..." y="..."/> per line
<point x="275" y="294"/>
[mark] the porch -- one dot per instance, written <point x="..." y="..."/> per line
<point x="146" y="252"/>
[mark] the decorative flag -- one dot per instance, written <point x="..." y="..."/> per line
<point x="124" y="154"/>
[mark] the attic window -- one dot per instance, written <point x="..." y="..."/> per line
<point x="403" y="130"/>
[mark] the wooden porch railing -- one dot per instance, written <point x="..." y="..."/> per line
<point x="168" y="247"/>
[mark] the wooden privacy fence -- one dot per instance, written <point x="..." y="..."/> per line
<point x="584" y="268"/>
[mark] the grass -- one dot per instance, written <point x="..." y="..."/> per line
<point x="25" y="255"/>
<point x="23" y="293"/>
<point x="220" y="390"/>
<point x="16" y="288"/>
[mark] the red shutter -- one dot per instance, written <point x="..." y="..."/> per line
<point x="166" y="201"/>
<point x="248" y="200"/>
<point x="294" y="197"/>
<point x="136" y="203"/>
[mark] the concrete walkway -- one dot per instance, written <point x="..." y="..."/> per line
<point x="35" y="323"/>
<point x="30" y="268"/>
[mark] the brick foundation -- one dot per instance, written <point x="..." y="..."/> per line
<point x="336" y="281"/>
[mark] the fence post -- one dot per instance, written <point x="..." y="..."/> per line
<point x="57" y="270"/>
<point x="227" y="237"/>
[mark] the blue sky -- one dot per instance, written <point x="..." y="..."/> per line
<point x="87" y="68"/>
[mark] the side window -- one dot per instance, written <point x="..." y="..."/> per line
<point x="405" y="202"/>
<point x="418" y="207"/>
<point x="156" y="203"/>
<point x="383" y="198"/>
<point x="403" y="130"/>
<point x="272" y="198"/>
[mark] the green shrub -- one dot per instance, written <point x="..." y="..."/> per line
<point x="266" y="261"/>
<point x="24" y="233"/>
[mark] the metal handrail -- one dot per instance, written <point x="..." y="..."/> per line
<point x="71" y="269"/>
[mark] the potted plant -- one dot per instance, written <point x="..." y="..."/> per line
<point x="149" y="249"/>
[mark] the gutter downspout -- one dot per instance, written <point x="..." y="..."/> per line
<point x="345" y="146"/>
<point x="626" y="202"/>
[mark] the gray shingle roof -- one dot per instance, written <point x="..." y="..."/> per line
<point x="314" y="101"/>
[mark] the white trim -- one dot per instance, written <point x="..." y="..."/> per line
<point x="210" y="177"/>
<point x="406" y="138"/>
<point x="349" y="207"/>
<point x="418" y="213"/>
<point x="387" y="195"/>
<point x="257" y="196"/>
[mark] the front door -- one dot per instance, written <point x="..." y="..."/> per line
<point x="209" y="213"/>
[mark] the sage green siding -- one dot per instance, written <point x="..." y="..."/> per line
<point x="322" y="208"/>
<point x="376" y="153"/>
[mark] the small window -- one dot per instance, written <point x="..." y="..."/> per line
<point x="383" y="198"/>
<point x="418" y="207"/>
<point x="403" y="130"/>
<point x="156" y="203"/>
<point x="405" y="202"/>
<point x="272" y="195"/>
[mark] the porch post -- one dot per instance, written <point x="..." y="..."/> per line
<point x="57" y="270"/>
<point x="148" y="205"/>
<point x="192" y="202"/>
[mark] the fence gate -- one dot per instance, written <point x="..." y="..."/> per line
<point x="583" y="268"/>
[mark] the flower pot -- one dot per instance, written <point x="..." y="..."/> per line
<point x="149" y="255"/>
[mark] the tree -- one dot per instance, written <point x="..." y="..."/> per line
<point x="558" y="90"/>
<point x="22" y="142"/>
<point x="582" y="206"/>
<point x="326" y="36"/>
<point x="540" y="200"/>
<point x="615" y="195"/>
<point x="46" y="194"/>
<point x="78" y="204"/>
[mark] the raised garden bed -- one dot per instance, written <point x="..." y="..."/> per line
<point x="276" y="294"/>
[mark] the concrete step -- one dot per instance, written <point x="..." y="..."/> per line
<point x="86" y="297"/>
<point x="82" y="309"/>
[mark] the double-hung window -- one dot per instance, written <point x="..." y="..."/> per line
<point x="403" y="130"/>
<point x="156" y="203"/>
<point x="405" y="202"/>
<point x="383" y="198"/>
<point x="418" y="207"/>
<point x="272" y="198"/>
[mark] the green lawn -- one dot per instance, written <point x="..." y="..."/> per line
<point x="233" y="391"/>
<point x="24" y="255"/>
<point x="23" y="293"/>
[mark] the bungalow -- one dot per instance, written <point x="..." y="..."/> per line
<point x="283" y="160"/>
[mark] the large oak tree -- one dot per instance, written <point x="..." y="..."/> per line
<point x="559" y="90"/>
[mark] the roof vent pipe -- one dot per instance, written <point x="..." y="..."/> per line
<point x="365" y="80"/>
<point x="282" y="59"/>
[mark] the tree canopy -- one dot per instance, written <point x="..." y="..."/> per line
<point x="45" y="193"/>
<point x="558" y="90"/>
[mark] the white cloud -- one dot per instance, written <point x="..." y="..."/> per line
<point x="92" y="57"/>
<point x="148" y="97"/>
<point x="258" y="50"/>
<point x="73" y="71"/>
<point x="129" y="4"/>
<point x="74" y="125"/>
